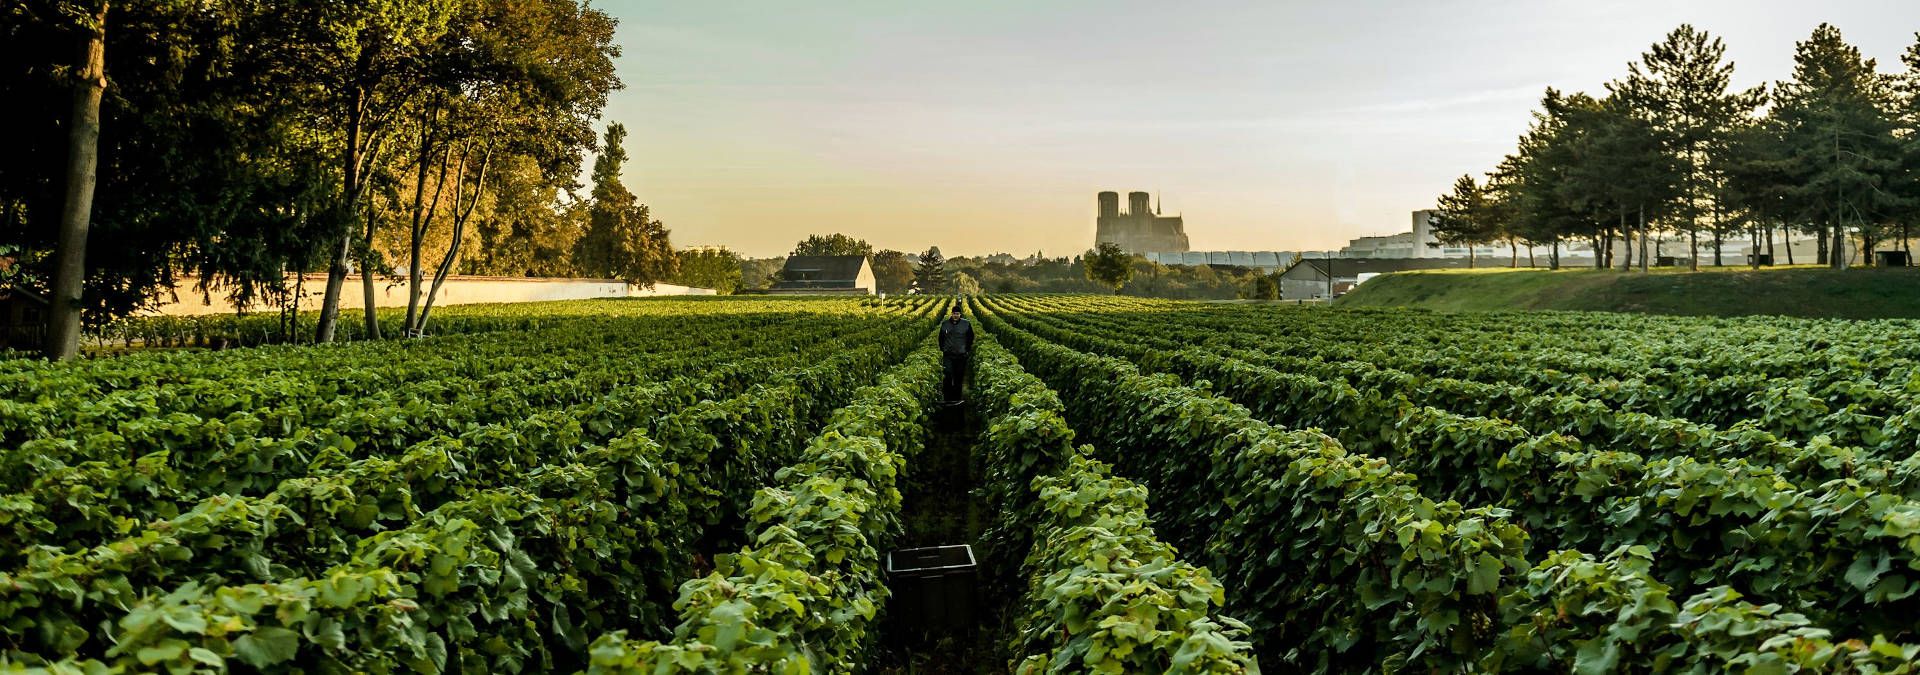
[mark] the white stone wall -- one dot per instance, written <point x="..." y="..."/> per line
<point x="458" y="290"/>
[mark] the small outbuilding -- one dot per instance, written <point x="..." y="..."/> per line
<point x="826" y="275"/>
<point x="23" y="319"/>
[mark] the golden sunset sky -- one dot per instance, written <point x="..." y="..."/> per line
<point x="987" y="126"/>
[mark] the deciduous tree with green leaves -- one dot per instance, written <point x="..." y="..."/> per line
<point x="1108" y="265"/>
<point x="965" y="285"/>
<point x="832" y="244"/>
<point x="715" y="268"/>
<point x="892" y="272"/>
<point x="365" y="60"/>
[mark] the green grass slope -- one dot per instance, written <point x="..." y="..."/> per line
<point x="1796" y="291"/>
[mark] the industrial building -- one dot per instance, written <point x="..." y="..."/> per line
<point x="1265" y="261"/>
<point x="1141" y="229"/>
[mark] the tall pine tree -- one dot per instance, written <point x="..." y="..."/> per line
<point x="931" y="276"/>
<point x="1839" y="142"/>
<point x="1683" y="85"/>
<point x="1462" y="217"/>
<point x="623" y="240"/>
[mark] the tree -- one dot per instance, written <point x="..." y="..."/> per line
<point x="892" y="272"/>
<point x="83" y="161"/>
<point x="199" y="171"/>
<point x="760" y="273"/>
<point x="492" y="92"/>
<point x="965" y="285"/>
<point x="365" y="57"/>
<point x="1461" y="217"/>
<point x="1266" y="287"/>
<point x="623" y="241"/>
<point x="1108" y="266"/>
<point x="1840" y="149"/>
<point x="1682" y="83"/>
<point x="718" y="269"/>
<point x="525" y="230"/>
<point x="832" y="244"/>
<point x="1759" y="182"/>
<point x="1907" y="190"/>
<point x="1619" y="169"/>
<point x="931" y="277"/>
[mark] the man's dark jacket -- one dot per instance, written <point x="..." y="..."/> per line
<point x="956" y="337"/>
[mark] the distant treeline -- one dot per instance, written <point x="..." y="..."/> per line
<point x="1833" y="151"/>
<point x="1114" y="272"/>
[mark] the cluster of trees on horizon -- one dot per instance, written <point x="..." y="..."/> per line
<point x="241" y="142"/>
<point x="1103" y="269"/>
<point x="1833" y="151"/>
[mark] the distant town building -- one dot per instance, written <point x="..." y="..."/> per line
<point x="1141" y="229"/>
<point x="1417" y="242"/>
<point x="826" y="275"/>
<point x="1265" y="261"/>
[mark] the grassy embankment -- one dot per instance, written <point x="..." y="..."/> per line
<point x="1806" y="291"/>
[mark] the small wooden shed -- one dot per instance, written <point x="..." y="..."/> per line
<point x="23" y="319"/>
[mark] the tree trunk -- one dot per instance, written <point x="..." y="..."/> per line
<point x="1469" y="257"/>
<point x="1771" y="261"/>
<point x="1643" y="238"/>
<point x="336" y="284"/>
<point x="1553" y="256"/>
<point x="337" y="272"/>
<point x="1626" y="243"/>
<point x="1837" y="251"/>
<point x="422" y="221"/>
<point x="414" y="233"/>
<point x="459" y="231"/>
<point x="83" y="164"/>
<point x="371" y="311"/>
<point x="1513" y="253"/>
<point x="1693" y="250"/>
<point x="293" y="322"/>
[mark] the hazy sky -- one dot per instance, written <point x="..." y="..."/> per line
<point x="984" y="126"/>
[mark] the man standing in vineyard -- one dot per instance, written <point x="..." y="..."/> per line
<point x="956" y="349"/>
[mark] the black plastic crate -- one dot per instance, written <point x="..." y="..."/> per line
<point x="933" y="589"/>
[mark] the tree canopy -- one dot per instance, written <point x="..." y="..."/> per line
<point x="832" y="244"/>
<point x="1108" y="265"/>
<point x="245" y="141"/>
<point x="1832" y="151"/>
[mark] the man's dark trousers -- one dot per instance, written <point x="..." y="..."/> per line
<point x="956" y="375"/>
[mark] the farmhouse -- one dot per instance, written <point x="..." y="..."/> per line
<point x="826" y="275"/>
<point x="1308" y="278"/>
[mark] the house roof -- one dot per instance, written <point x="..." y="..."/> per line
<point x="22" y="293"/>
<point x="827" y="267"/>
